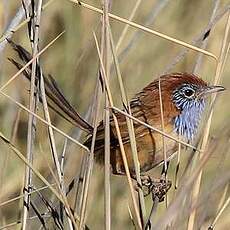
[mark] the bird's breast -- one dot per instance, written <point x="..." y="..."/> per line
<point x="188" y="121"/>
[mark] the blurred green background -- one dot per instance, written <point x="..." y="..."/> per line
<point x="73" y="62"/>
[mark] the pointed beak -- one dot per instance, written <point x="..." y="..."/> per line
<point x="210" y="90"/>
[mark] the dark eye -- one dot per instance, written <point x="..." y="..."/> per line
<point x="188" y="92"/>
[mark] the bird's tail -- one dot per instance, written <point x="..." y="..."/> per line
<point x="57" y="101"/>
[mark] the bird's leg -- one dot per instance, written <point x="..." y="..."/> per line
<point x="156" y="187"/>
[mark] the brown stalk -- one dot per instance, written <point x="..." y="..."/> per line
<point x="163" y="137"/>
<point x="119" y="138"/>
<point x="170" y="213"/>
<point x="155" y="129"/>
<point x="106" y="56"/>
<point x="90" y="160"/>
<point x="31" y="130"/>
<point x="204" y="142"/>
<point x="130" y="129"/>
<point x="45" y="122"/>
<point x="35" y="171"/>
<point x="88" y="173"/>
<point x="138" y="26"/>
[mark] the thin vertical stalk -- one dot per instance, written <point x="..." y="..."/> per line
<point x="124" y="31"/>
<point x="107" y="198"/>
<point x="205" y="41"/>
<point x="31" y="120"/>
<point x="219" y="69"/>
<point x="14" y="26"/>
<point x="88" y="173"/>
<point x="63" y="161"/>
<point x="119" y="139"/>
<point x="58" y="194"/>
<point x="225" y="205"/>
<point x="130" y="129"/>
<point x="84" y="162"/>
<point x="221" y="207"/>
<point x="178" y="164"/>
<point x="153" y="13"/>
<point x="53" y="145"/>
<point x="163" y="138"/>
<point x="79" y="184"/>
<point x="89" y="159"/>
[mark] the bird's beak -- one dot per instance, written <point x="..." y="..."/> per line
<point x="211" y="89"/>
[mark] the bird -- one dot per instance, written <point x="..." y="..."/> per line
<point x="184" y="99"/>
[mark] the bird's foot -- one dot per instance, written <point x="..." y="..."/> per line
<point x="157" y="187"/>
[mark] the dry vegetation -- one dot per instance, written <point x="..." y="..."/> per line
<point x="202" y="195"/>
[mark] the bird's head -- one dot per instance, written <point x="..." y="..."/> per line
<point x="183" y="101"/>
<point x="189" y="94"/>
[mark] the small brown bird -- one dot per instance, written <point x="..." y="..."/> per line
<point x="183" y="98"/>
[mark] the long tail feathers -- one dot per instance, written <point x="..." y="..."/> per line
<point x="57" y="101"/>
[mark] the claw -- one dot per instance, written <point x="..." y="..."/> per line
<point x="156" y="187"/>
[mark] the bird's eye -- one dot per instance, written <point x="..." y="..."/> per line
<point x="189" y="92"/>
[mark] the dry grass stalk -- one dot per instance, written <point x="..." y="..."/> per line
<point x="130" y="130"/>
<point x="165" y="167"/>
<point x="35" y="171"/>
<point x="124" y="31"/>
<point x="29" y="63"/>
<point x="88" y="173"/>
<point x="150" y="19"/>
<point x="31" y="130"/>
<point x="119" y="139"/>
<point x="21" y="196"/>
<point x="13" y="30"/>
<point x="89" y="161"/>
<point x="106" y="60"/>
<point x="204" y="43"/>
<point x="204" y="34"/>
<point x="155" y="129"/>
<point x="169" y="215"/>
<point x="135" y="25"/>
<point x="58" y="193"/>
<point x="222" y="206"/>
<point x="45" y="122"/>
<point x="219" y="68"/>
